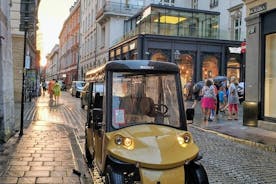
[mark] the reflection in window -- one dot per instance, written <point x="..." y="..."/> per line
<point x="233" y="68"/>
<point x="159" y="57"/>
<point x="270" y="76"/>
<point x="209" y="67"/>
<point x="186" y="68"/>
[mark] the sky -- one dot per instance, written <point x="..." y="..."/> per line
<point x="51" y="16"/>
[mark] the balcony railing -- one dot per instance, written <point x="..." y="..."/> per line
<point x="113" y="8"/>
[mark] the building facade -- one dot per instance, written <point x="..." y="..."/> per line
<point x="260" y="66"/>
<point x="69" y="46"/>
<point x="53" y="65"/>
<point x="6" y="74"/>
<point x="32" y="65"/>
<point x="102" y="25"/>
<point x="232" y="15"/>
<point x="181" y="35"/>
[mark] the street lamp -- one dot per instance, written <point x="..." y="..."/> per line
<point x="26" y="22"/>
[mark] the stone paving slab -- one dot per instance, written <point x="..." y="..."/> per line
<point x="42" y="155"/>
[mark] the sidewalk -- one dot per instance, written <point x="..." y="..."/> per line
<point x="46" y="153"/>
<point x="235" y="130"/>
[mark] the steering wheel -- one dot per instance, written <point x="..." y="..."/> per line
<point x="161" y="108"/>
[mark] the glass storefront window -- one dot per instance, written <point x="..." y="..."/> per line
<point x="209" y="67"/>
<point x="233" y="68"/>
<point x="270" y="76"/>
<point x="185" y="64"/>
<point x="174" y="22"/>
<point x="159" y="57"/>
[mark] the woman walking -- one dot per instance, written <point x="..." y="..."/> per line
<point x="233" y="99"/>
<point x="208" y="99"/>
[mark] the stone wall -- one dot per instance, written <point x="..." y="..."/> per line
<point x="6" y="75"/>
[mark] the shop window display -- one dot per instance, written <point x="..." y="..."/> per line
<point x="209" y="67"/>
<point x="270" y="76"/>
<point x="185" y="64"/>
<point x="233" y="68"/>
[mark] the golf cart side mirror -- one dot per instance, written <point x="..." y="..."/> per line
<point x="190" y="113"/>
<point x="97" y="118"/>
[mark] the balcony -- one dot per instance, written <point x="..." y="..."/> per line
<point x="116" y="9"/>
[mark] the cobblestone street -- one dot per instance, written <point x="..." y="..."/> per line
<point x="227" y="161"/>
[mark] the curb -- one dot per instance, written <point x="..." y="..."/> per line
<point x="264" y="147"/>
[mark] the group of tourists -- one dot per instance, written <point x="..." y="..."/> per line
<point x="54" y="90"/>
<point x="217" y="97"/>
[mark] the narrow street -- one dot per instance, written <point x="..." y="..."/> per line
<point x="51" y="149"/>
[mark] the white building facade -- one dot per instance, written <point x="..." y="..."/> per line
<point x="53" y="64"/>
<point x="6" y="74"/>
<point x="102" y="24"/>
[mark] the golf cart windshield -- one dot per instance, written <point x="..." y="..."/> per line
<point x="144" y="98"/>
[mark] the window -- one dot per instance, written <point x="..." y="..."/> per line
<point x="209" y="67"/>
<point x="236" y="20"/>
<point x="195" y="4"/>
<point x="103" y="37"/>
<point x="237" y="28"/>
<point x="233" y="68"/>
<point x="270" y="76"/>
<point x="213" y="3"/>
<point x="167" y="2"/>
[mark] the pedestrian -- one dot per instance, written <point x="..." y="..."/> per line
<point x="222" y="97"/>
<point x="56" y="92"/>
<point x="197" y="94"/>
<point x="233" y="99"/>
<point x="43" y="87"/>
<point x="50" y="89"/>
<point x="214" y="109"/>
<point x="208" y="99"/>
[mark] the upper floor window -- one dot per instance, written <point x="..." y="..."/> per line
<point x="195" y="4"/>
<point x="167" y="2"/>
<point x="213" y="3"/>
<point x="236" y="21"/>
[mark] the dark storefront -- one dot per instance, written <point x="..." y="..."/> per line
<point x="198" y="58"/>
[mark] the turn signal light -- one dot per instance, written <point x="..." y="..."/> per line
<point x="124" y="141"/>
<point x="184" y="139"/>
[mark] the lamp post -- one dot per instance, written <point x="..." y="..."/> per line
<point x="26" y="22"/>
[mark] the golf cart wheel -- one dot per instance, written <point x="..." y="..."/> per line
<point x="113" y="176"/>
<point x="195" y="174"/>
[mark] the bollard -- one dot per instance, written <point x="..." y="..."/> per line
<point x="250" y="113"/>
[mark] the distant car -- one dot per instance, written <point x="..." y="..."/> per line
<point x="77" y="87"/>
<point x="62" y="85"/>
<point x="84" y="93"/>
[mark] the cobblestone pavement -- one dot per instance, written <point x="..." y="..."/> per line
<point x="227" y="161"/>
<point x="48" y="151"/>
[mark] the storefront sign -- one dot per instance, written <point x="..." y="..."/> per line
<point x="257" y="9"/>
<point x="235" y="50"/>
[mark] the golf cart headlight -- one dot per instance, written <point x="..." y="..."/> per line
<point x="118" y="139"/>
<point x="184" y="139"/>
